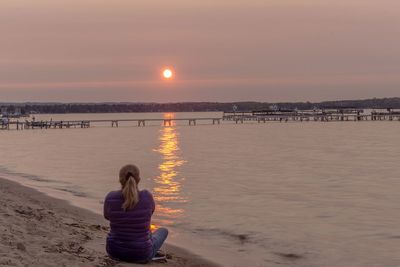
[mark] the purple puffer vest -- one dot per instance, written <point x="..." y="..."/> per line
<point x="129" y="238"/>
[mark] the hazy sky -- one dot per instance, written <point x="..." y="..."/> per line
<point x="221" y="50"/>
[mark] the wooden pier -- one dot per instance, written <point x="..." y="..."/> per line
<point x="328" y="115"/>
<point x="21" y="125"/>
<point x="261" y="116"/>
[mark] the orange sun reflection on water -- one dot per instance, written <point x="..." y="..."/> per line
<point x="168" y="184"/>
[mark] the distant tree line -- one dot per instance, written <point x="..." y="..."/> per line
<point x="376" y="103"/>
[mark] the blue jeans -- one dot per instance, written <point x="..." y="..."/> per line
<point x="157" y="238"/>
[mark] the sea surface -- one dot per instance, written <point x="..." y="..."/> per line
<point x="268" y="194"/>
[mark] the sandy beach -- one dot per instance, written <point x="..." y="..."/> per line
<point x="37" y="230"/>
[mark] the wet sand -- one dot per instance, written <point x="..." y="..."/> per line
<point x="37" y="230"/>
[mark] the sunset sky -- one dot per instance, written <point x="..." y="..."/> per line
<point x="220" y="50"/>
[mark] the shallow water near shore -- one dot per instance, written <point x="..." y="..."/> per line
<point x="273" y="194"/>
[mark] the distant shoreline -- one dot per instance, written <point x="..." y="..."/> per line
<point x="137" y="107"/>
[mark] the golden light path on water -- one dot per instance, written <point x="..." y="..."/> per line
<point x="168" y="184"/>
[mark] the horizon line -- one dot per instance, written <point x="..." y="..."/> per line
<point x="194" y="102"/>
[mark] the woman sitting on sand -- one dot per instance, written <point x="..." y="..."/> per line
<point x="129" y="212"/>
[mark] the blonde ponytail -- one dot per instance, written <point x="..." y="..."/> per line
<point x="130" y="193"/>
<point x="129" y="178"/>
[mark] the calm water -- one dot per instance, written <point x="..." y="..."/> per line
<point x="327" y="194"/>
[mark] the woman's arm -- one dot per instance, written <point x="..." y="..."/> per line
<point x="106" y="209"/>
<point x="153" y="204"/>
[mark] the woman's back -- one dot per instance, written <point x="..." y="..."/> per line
<point x="130" y="236"/>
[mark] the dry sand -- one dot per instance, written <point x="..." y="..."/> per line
<point x="37" y="230"/>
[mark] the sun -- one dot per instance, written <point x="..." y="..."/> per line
<point x="167" y="73"/>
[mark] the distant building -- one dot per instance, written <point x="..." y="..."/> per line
<point x="17" y="112"/>
<point x="4" y="111"/>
